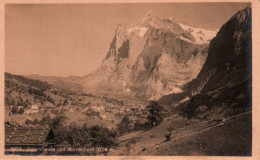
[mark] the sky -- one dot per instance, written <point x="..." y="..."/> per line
<point x="73" y="39"/>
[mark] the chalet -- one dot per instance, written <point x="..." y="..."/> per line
<point x="95" y="117"/>
<point x="71" y="110"/>
<point x="34" y="108"/>
<point x="27" y="140"/>
<point x="11" y="107"/>
<point x="27" y="112"/>
<point x="49" y="105"/>
<point x="98" y="108"/>
<point x="52" y="115"/>
<point x="103" y="116"/>
<point x="20" y="107"/>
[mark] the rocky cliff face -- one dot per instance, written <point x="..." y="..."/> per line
<point x="223" y="87"/>
<point x="151" y="59"/>
<point x="230" y="53"/>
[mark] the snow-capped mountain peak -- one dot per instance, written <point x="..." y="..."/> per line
<point x="201" y="36"/>
<point x="185" y="32"/>
<point x="150" y="59"/>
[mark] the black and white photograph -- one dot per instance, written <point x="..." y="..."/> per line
<point x="128" y="79"/>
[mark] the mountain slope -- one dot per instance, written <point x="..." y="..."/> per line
<point x="224" y="84"/>
<point x="23" y="91"/>
<point x="233" y="138"/>
<point x="70" y="83"/>
<point x="230" y="54"/>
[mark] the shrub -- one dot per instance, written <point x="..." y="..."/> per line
<point x="21" y="111"/>
<point x="124" y="126"/>
<point x="36" y="121"/>
<point x="141" y="126"/>
<point x="14" y="110"/>
<point x="103" y="137"/>
<point x="28" y="121"/>
<point x="155" y="113"/>
<point x="189" y="109"/>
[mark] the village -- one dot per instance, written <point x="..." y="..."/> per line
<point x="31" y="114"/>
<point x="77" y="110"/>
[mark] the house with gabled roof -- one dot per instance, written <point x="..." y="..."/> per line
<point x="23" y="139"/>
